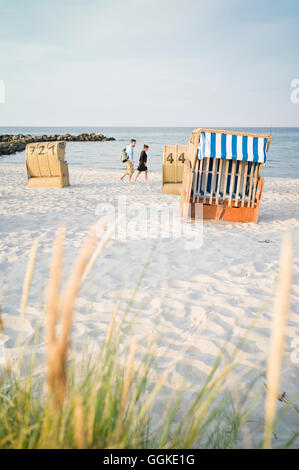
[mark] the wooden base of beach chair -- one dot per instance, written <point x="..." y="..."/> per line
<point x="172" y="188"/>
<point x="49" y="182"/>
<point x="225" y="213"/>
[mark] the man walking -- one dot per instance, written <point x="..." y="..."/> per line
<point x="130" y="162"/>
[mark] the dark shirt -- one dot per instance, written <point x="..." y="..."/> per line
<point x="143" y="157"/>
<point x="142" y="161"/>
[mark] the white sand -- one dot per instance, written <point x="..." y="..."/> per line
<point x="192" y="300"/>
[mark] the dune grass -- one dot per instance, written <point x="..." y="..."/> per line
<point x="111" y="399"/>
<point x="108" y="401"/>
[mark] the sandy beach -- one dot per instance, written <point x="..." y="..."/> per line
<point x="152" y="314"/>
<point x="191" y="300"/>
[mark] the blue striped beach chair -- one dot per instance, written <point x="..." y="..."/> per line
<point x="222" y="175"/>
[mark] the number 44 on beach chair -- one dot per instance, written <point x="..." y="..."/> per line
<point x="222" y="175"/>
<point x="173" y="168"/>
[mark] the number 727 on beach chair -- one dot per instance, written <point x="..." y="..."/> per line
<point x="46" y="166"/>
<point x="222" y="175"/>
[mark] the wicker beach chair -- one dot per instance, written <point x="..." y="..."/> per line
<point x="174" y="157"/>
<point x="46" y="166"/>
<point x="222" y="175"/>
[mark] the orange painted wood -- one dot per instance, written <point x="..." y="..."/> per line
<point x="223" y="211"/>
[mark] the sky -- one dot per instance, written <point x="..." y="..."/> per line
<point x="149" y="62"/>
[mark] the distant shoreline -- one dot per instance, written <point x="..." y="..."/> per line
<point x="210" y="126"/>
<point x="12" y="143"/>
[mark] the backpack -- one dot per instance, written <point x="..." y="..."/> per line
<point x="124" y="156"/>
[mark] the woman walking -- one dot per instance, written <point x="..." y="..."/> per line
<point x="142" y="163"/>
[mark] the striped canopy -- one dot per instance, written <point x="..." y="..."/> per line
<point x="232" y="146"/>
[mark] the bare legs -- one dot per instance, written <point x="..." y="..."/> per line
<point x="129" y="171"/>
<point x="145" y="174"/>
<point x="124" y="175"/>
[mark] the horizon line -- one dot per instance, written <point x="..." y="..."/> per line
<point x="147" y="126"/>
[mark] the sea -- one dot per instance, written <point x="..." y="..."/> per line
<point x="283" y="155"/>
